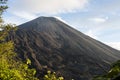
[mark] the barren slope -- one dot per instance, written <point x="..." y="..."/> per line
<point x="51" y="44"/>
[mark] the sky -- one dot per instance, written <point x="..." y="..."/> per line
<point x="100" y="19"/>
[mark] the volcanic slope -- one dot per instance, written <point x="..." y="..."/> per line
<point x="53" y="45"/>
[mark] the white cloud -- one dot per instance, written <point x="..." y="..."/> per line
<point x="98" y="19"/>
<point x="16" y="20"/>
<point x="115" y="45"/>
<point x="12" y="20"/>
<point x="91" y="34"/>
<point x="59" y="18"/>
<point x="23" y="7"/>
<point x="25" y="15"/>
<point x="94" y="35"/>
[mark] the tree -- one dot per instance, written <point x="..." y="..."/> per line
<point x="112" y="74"/>
<point x="10" y="67"/>
<point x="52" y="76"/>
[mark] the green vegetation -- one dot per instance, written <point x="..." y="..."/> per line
<point x="52" y="76"/>
<point x="112" y="74"/>
<point x="12" y="68"/>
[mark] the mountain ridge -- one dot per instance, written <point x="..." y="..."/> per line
<point x="52" y="44"/>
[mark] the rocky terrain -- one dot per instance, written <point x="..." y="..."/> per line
<point x="53" y="45"/>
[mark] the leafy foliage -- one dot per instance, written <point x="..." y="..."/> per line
<point x="52" y="76"/>
<point x="112" y="74"/>
<point x="10" y="67"/>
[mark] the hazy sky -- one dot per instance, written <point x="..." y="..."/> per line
<point x="99" y="19"/>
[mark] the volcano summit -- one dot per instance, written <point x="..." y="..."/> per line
<point x="53" y="45"/>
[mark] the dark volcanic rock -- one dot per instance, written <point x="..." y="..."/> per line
<point x="52" y="44"/>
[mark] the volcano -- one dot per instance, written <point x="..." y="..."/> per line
<point x="53" y="45"/>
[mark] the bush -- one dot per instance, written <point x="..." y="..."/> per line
<point x="52" y="76"/>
